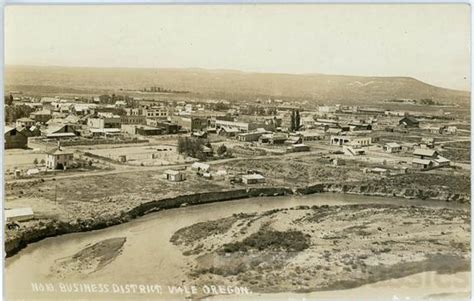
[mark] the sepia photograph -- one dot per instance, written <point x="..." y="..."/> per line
<point x="237" y="152"/>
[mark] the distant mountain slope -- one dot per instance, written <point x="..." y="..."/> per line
<point x="232" y="84"/>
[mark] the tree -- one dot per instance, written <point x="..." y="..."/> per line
<point x="9" y="100"/>
<point x="297" y="120"/>
<point x="221" y="150"/>
<point x="35" y="161"/>
<point x="42" y="161"/>
<point x="293" y="121"/>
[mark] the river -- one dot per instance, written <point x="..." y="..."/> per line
<point x="148" y="257"/>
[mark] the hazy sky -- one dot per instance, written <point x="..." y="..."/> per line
<point x="429" y="42"/>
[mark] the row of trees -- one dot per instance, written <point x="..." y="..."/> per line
<point x="295" y="122"/>
<point x="9" y="100"/>
<point x="12" y="113"/>
<point x="193" y="147"/>
<point x="258" y="110"/>
<point x="112" y="99"/>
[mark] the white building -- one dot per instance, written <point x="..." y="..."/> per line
<point x="59" y="158"/>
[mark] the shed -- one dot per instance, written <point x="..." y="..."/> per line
<point x="175" y="175"/>
<point x="18" y="214"/>
<point x="392" y="147"/>
<point x="253" y="179"/>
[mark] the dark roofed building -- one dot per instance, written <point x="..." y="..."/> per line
<point x="14" y="138"/>
<point x="409" y="122"/>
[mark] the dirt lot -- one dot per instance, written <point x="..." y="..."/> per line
<point x="326" y="247"/>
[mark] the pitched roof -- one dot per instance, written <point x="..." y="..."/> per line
<point x="58" y="151"/>
<point x="424" y="152"/>
<point x="421" y="161"/>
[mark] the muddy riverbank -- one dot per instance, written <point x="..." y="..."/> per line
<point x="41" y="228"/>
<point x="149" y="257"/>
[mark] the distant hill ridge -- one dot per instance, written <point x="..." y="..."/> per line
<point x="232" y="83"/>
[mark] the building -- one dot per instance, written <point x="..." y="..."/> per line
<point x="228" y="131"/>
<point x="155" y="112"/>
<point x="24" y="122"/>
<point x="409" y="122"/>
<point x="422" y="164"/>
<point x="441" y="162"/>
<point x="18" y="214"/>
<point x="351" y="140"/>
<point x="392" y="147"/>
<point x="133" y="119"/>
<point x="14" y="138"/>
<point x="352" y="151"/>
<point x="104" y="122"/>
<point x="239" y="126"/>
<point x="58" y="158"/>
<point x="423" y="153"/>
<point x="41" y="116"/>
<point x="168" y="127"/>
<point x="175" y="175"/>
<point x="59" y="131"/>
<point x="450" y="129"/>
<point x="191" y="123"/>
<point x="298" y="148"/>
<point x="249" y="137"/>
<point x="104" y="132"/>
<point x="253" y="179"/>
<point x="428" y="142"/>
<point x="200" y="167"/>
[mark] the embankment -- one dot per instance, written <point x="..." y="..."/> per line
<point x="42" y="228"/>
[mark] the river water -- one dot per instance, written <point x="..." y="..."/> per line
<point x="149" y="258"/>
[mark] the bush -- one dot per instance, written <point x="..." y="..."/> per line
<point x="288" y="241"/>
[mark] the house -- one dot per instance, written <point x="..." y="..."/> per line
<point x="423" y="153"/>
<point x="450" y="129"/>
<point x="228" y="131"/>
<point x="441" y="162"/>
<point x="409" y="122"/>
<point x="392" y="147"/>
<point x="175" y="175"/>
<point x="200" y="167"/>
<point x="59" y="158"/>
<point x="24" y="122"/>
<point x="14" y="138"/>
<point x="253" y="179"/>
<point x="422" y="164"/>
<point x="18" y="214"/>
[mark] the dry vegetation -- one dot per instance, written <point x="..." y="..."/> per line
<point x="322" y="247"/>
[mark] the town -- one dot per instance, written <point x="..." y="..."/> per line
<point x="219" y="143"/>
